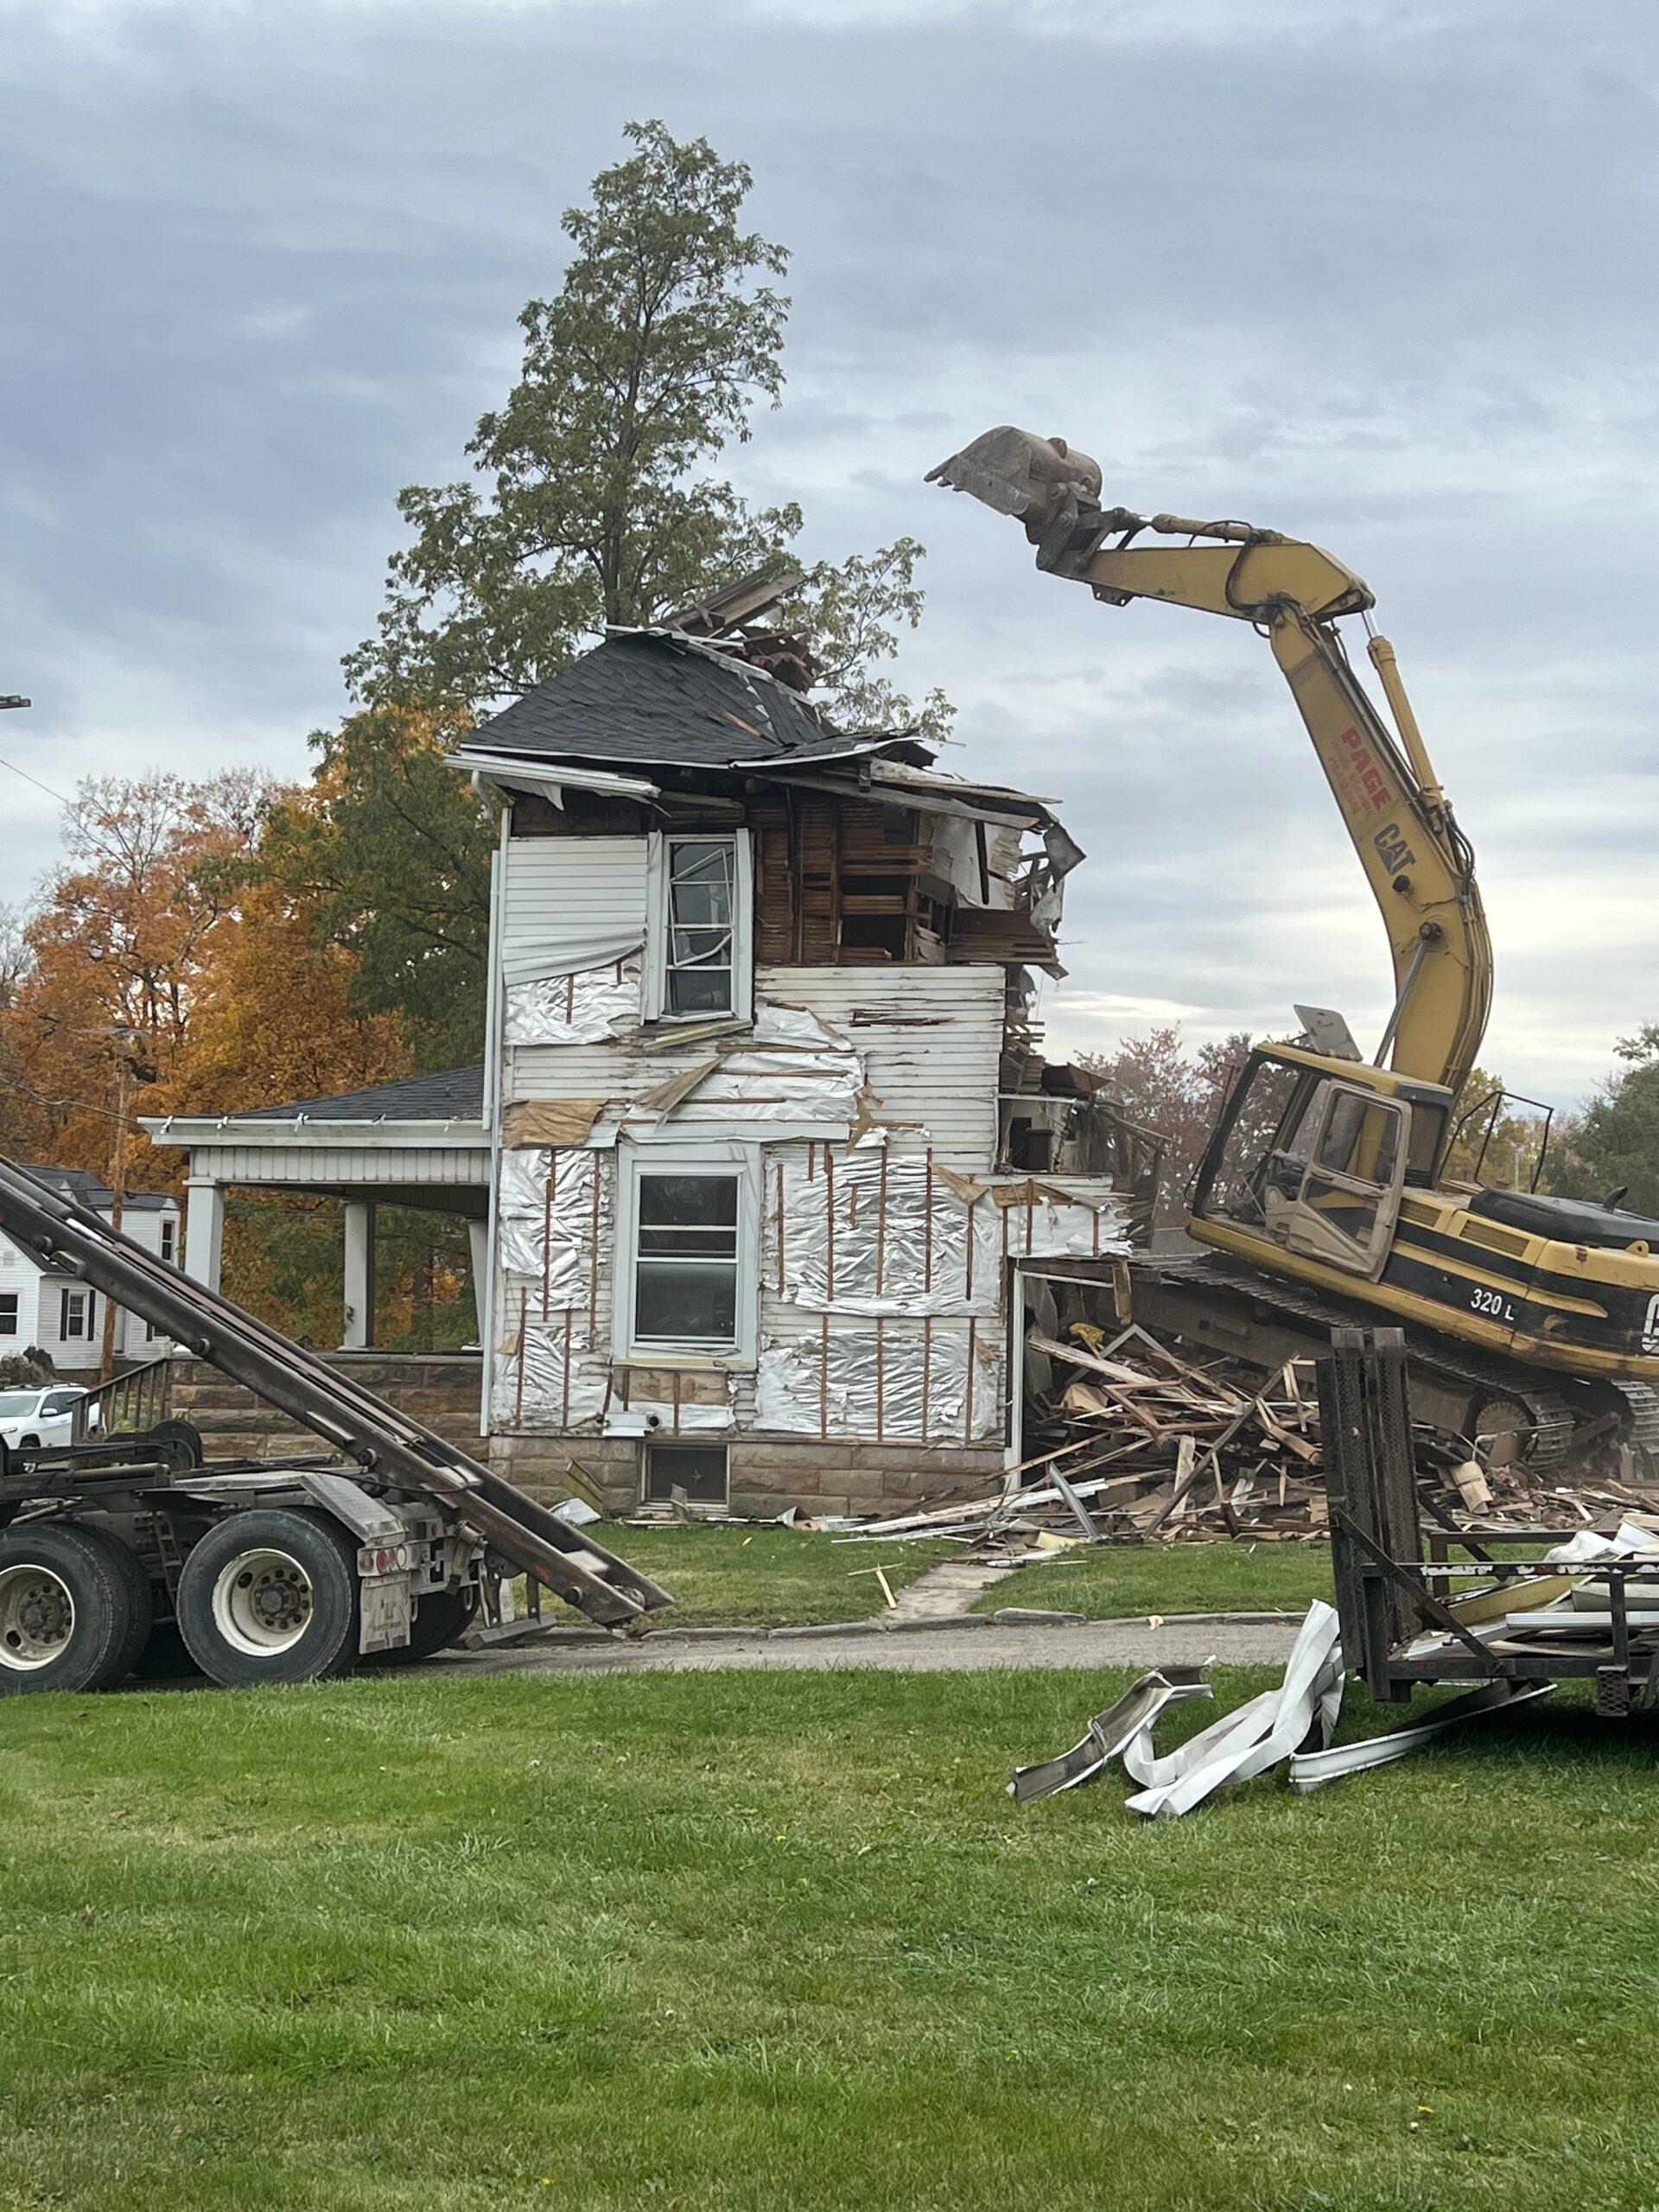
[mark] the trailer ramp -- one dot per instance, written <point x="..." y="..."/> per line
<point x="385" y="1445"/>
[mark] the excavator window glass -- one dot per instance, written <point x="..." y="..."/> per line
<point x="1423" y="1141"/>
<point x="1344" y="1212"/>
<point x="1360" y="1138"/>
<point x="1272" y="1101"/>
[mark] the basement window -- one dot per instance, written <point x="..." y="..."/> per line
<point x="700" y="924"/>
<point x="698" y="1471"/>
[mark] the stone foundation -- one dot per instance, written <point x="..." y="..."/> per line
<point x="441" y="1390"/>
<point x="766" y="1475"/>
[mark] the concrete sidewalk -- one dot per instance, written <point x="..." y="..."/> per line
<point x="1256" y="1642"/>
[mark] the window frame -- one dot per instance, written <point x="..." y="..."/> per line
<point x="89" y="1315"/>
<point x="13" y="1299"/>
<point x="666" y="1446"/>
<point x="736" y="1163"/>
<point x="658" y="848"/>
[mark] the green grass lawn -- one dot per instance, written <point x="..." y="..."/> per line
<point x="1106" y="1580"/>
<point x="780" y="1943"/>
<point x="768" y="1578"/>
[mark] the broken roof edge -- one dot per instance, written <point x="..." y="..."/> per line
<point x="545" y="773"/>
<point x="709" y="648"/>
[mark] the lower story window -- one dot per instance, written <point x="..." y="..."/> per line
<point x="697" y="1471"/>
<point x="8" y="1312"/>
<point x="76" y="1315"/>
<point x="686" y="1287"/>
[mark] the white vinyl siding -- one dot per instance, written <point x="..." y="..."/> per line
<point x="931" y="1038"/>
<point x="570" y="903"/>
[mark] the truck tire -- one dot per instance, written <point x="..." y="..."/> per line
<point x="165" y="1657"/>
<point x="141" y="1598"/>
<point x="74" y="1608"/>
<point x="270" y="1597"/>
<point x="443" y="1616"/>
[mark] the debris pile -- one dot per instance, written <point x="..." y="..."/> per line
<point x="1140" y="1444"/>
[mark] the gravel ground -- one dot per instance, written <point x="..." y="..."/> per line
<point x="1092" y="1644"/>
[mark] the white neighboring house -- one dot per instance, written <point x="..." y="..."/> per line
<point x="65" y="1317"/>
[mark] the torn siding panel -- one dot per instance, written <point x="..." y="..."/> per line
<point x="550" y="1364"/>
<point x="788" y="1071"/>
<point x="575" y="1008"/>
<point x="570" y="903"/>
<point x="931" y="1039"/>
<point x="878" y="1276"/>
<point x="910" y="1382"/>
<point x="866" y="1230"/>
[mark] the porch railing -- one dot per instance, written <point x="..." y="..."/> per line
<point x="137" y="1399"/>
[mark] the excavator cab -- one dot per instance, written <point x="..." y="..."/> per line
<point x="1313" y="1155"/>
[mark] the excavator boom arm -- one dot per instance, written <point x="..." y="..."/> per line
<point x="1417" y="860"/>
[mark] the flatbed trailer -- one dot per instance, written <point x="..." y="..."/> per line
<point x="273" y="1572"/>
<point x="1412" y="1615"/>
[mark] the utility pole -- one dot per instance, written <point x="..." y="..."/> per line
<point x="117" y="1197"/>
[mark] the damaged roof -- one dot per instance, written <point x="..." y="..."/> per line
<point x="656" y="696"/>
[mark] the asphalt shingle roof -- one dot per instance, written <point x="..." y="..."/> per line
<point x="455" y="1094"/>
<point x="652" y="697"/>
<point x="79" y="1184"/>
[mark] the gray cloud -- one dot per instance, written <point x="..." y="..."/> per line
<point x="1372" y="273"/>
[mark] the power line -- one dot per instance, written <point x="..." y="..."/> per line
<point x="35" y="780"/>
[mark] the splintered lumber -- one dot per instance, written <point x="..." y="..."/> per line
<point x="1135" y="1442"/>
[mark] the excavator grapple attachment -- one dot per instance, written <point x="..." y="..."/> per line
<point x="1020" y="474"/>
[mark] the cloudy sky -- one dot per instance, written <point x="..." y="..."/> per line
<point x="1375" y="271"/>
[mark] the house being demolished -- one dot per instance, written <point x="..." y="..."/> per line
<point x="773" y="1129"/>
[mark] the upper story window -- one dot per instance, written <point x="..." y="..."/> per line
<point x="701" y="927"/>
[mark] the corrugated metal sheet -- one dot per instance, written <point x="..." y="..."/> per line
<point x="569" y="901"/>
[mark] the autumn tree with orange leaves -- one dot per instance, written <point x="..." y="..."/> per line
<point x="168" y="948"/>
<point x="114" y="959"/>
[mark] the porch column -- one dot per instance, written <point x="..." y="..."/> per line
<point x="359" y="1278"/>
<point x="477" y="1235"/>
<point x="204" y="1229"/>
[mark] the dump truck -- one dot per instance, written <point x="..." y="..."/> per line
<point x="382" y="1546"/>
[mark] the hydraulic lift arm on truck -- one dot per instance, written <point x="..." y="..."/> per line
<point x="401" y="1476"/>
<point x="1523" y="1312"/>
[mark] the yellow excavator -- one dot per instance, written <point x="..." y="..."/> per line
<point x="1322" y="1192"/>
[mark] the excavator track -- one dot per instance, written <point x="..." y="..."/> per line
<point x="1550" y="1411"/>
<point x="1643" y="1404"/>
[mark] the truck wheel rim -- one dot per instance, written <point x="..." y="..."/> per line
<point x="262" y="1602"/>
<point x="37" y="1619"/>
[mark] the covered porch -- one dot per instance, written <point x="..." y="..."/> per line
<point x="421" y="1144"/>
